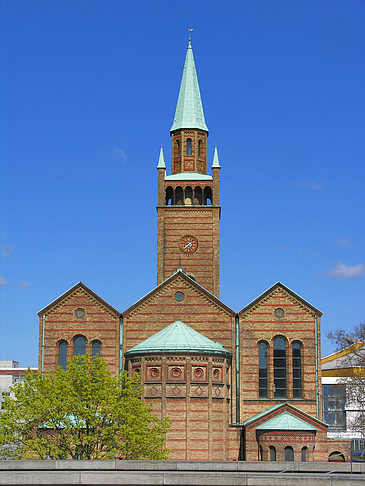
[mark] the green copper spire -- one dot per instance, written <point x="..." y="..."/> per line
<point x="189" y="109"/>
<point x="161" y="160"/>
<point x="216" y="164"/>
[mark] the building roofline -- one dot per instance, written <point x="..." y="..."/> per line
<point x="70" y="291"/>
<point x="273" y="287"/>
<point x="342" y="352"/>
<point x="181" y="273"/>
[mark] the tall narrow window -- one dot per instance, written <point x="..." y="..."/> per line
<point x="62" y="354"/>
<point x="279" y="368"/>
<point x="262" y="369"/>
<point x="289" y="453"/>
<point x="79" y="345"/>
<point x="188" y="147"/>
<point x="96" y="349"/>
<point x="272" y="452"/>
<point x="297" y="369"/>
<point x="304" y="454"/>
<point x="178" y="148"/>
<point x="199" y="148"/>
<point x="260" y="454"/>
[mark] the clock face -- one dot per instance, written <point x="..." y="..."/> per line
<point x="188" y="244"/>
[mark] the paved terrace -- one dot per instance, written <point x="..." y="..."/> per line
<point x="181" y="473"/>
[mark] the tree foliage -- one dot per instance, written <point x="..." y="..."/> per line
<point x="83" y="412"/>
<point x="353" y="364"/>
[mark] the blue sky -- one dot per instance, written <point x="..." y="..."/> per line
<point x="88" y="95"/>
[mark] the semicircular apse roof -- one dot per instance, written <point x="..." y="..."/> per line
<point x="178" y="337"/>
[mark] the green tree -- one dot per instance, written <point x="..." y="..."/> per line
<point x="83" y="412"/>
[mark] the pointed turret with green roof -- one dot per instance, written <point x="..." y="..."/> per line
<point x="189" y="109"/>
<point x="189" y="131"/>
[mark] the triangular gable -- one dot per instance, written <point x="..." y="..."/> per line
<point x="286" y="421"/>
<point x="290" y="292"/>
<point x="79" y="285"/>
<point x="273" y="415"/>
<point x="174" y="276"/>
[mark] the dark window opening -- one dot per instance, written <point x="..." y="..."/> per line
<point x="198" y="195"/>
<point x="297" y="369"/>
<point x="79" y="345"/>
<point x="207" y="196"/>
<point x="262" y="370"/>
<point x="188" y="196"/>
<point x="96" y="348"/>
<point x="169" y="196"/>
<point x="179" y="195"/>
<point x="289" y="453"/>
<point x="188" y="147"/>
<point x="62" y="354"/>
<point x="200" y="148"/>
<point x="272" y="453"/>
<point x="304" y="454"/>
<point x="279" y="368"/>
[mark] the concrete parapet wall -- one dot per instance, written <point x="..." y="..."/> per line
<point x="179" y="472"/>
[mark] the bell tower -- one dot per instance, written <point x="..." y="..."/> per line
<point x="188" y="207"/>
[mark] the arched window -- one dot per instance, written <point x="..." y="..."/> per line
<point x="188" y="196"/>
<point x="62" y="354"/>
<point x="207" y="195"/>
<point x="288" y="454"/>
<point x="200" y="148"/>
<point x="336" y="456"/>
<point x="304" y="454"/>
<point x="96" y="347"/>
<point x="169" y="196"/>
<point x="279" y="367"/>
<point x="179" y="196"/>
<point x="178" y="149"/>
<point x="272" y="452"/>
<point x="188" y="146"/>
<point x="79" y="345"/>
<point x="262" y="369"/>
<point x="297" y="369"/>
<point x="198" y="195"/>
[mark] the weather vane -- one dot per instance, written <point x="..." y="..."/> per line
<point x="190" y="29"/>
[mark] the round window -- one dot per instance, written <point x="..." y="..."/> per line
<point x="179" y="296"/>
<point x="80" y="313"/>
<point x="279" y="313"/>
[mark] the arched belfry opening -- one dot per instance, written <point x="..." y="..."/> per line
<point x="207" y="196"/>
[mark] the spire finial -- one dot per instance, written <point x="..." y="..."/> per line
<point x="216" y="164"/>
<point x="190" y="29"/>
<point x="161" y="161"/>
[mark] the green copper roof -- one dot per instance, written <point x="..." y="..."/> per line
<point x="188" y="176"/>
<point x="178" y="337"/>
<point x="216" y="164"/>
<point x="286" y="421"/>
<point x="189" y="109"/>
<point x="161" y="160"/>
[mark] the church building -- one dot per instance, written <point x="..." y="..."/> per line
<point x="237" y="385"/>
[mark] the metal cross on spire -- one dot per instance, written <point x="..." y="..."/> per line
<point x="190" y="29"/>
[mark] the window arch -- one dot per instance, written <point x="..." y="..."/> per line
<point x="200" y="142"/>
<point x="95" y="349"/>
<point x="189" y="149"/>
<point x="272" y="453"/>
<point x="188" y="196"/>
<point x="304" y="454"/>
<point x="179" y="196"/>
<point x="297" y="369"/>
<point x="279" y="367"/>
<point x="198" y="195"/>
<point x="207" y="195"/>
<point x="262" y="369"/>
<point x="169" y="196"/>
<point x="288" y="454"/>
<point x="79" y="345"/>
<point x="62" y="354"/>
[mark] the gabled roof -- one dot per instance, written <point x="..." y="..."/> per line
<point x="290" y="292"/>
<point x="178" y="337"/>
<point x="189" y="109"/>
<point x="182" y="274"/>
<point x="284" y="416"/>
<point x="71" y="291"/>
